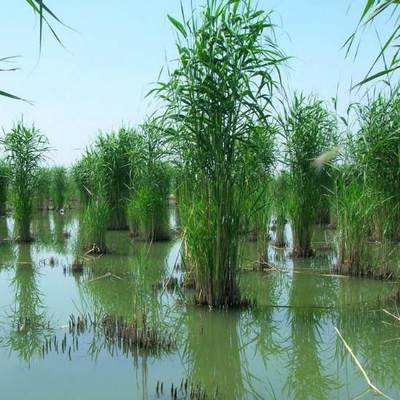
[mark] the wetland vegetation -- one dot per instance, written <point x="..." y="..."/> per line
<point x="240" y="243"/>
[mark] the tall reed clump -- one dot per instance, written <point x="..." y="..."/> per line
<point x="81" y="176"/>
<point x="377" y="155"/>
<point x="279" y="196"/>
<point x="113" y="151"/>
<point x="96" y="212"/>
<point x="353" y="207"/>
<point x="4" y="179"/>
<point x="259" y="158"/>
<point x="42" y="195"/>
<point x="310" y="133"/>
<point x="148" y="207"/>
<point x="221" y="88"/>
<point x="58" y="187"/>
<point x="25" y="149"/>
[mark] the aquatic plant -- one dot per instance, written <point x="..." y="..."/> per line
<point x="25" y="149"/>
<point x="309" y="130"/>
<point x="354" y="208"/>
<point x="222" y="84"/>
<point x="376" y="149"/>
<point x="259" y="159"/>
<point x="96" y="212"/>
<point x="280" y="199"/>
<point x="148" y="207"/>
<point x="388" y="53"/>
<point x="94" y="226"/>
<point x="114" y="170"/>
<point x="58" y="187"/>
<point x="4" y="179"/>
<point x="42" y="195"/>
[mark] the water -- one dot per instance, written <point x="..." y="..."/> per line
<point x="286" y="347"/>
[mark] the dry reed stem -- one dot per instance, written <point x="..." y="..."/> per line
<point x="106" y="275"/>
<point x="392" y="315"/>
<point x="370" y="384"/>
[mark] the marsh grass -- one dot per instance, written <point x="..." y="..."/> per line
<point x="94" y="221"/>
<point x="114" y="170"/>
<point x="58" y="187"/>
<point x="4" y="180"/>
<point x="310" y="131"/>
<point x="354" y="218"/>
<point x="377" y="147"/>
<point x="96" y="210"/>
<point x="42" y="198"/>
<point x="148" y="207"/>
<point x="259" y="159"/>
<point x="25" y="150"/>
<point x="221" y="89"/>
<point x="279" y="193"/>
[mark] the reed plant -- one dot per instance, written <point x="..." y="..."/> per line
<point x="94" y="226"/>
<point x="280" y="196"/>
<point x="148" y="207"/>
<point x="376" y="147"/>
<point x="25" y="150"/>
<point x="259" y="159"/>
<point x="227" y="69"/>
<point x="42" y="196"/>
<point x="354" y="207"/>
<point x="58" y="187"/>
<point x="113" y="151"/>
<point x="81" y="176"/>
<point x="4" y="179"/>
<point x="310" y="132"/>
<point x="96" y="212"/>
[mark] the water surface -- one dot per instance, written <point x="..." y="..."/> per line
<point x="285" y="347"/>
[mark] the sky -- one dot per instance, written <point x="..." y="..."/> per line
<point x="116" y="50"/>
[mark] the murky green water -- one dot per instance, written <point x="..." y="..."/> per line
<point x="284" y="348"/>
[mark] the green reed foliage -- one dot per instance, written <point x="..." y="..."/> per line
<point x="259" y="159"/>
<point x="95" y="218"/>
<point x="222" y="84"/>
<point x="4" y="180"/>
<point x="42" y="188"/>
<point x="310" y="132"/>
<point x="114" y="169"/>
<point x="58" y="187"/>
<point x="96" y="212"/>
<point x="377" y="154"/>
<point x="379" y="13"/>
<point x="280" y="200"/>
<point x="81" y="173"/>
<point x="25" y="149"/>
<point x="354" y="207"/>
<point x="148" y="207"/>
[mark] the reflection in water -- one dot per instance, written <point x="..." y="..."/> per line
<point x="127" y="288"/>
<point x="29" y="327"/>
<point x="212" y="352"/>
<point x="284" y="347"/>
<point x="307" y="377"/>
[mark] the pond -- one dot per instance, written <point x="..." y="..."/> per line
<point x="283" y="347"/>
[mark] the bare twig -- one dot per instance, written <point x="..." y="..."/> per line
<point x="392" y="315"/>
<point x="370" y="384"/>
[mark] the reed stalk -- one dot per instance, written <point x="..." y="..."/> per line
<point x="25" y="149"/>
<point x="310" y="132"/>
<point x="4" y="180"/>
<point x="227" y="69"/>
<point x="58" y="187"/>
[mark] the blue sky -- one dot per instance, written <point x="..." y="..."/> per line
<point x="119" y="47"/>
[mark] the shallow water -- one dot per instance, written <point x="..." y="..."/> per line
<point x="285" y="347"/>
